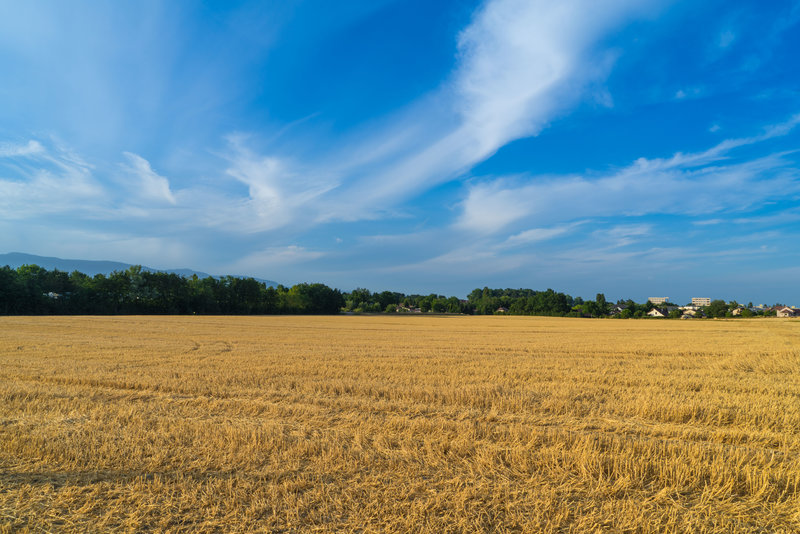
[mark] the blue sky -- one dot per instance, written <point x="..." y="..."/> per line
<point x="636" y="148"/>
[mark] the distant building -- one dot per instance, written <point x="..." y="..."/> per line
<point x="655" y="312"/>
<point x="502" y="309"/>
<point x="658" y="300"/>
<point x="701" y="301"/>
<point x="786" y="311"/>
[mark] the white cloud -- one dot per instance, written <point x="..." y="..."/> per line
<point x="149" y="185"/>
<point x="719" y="151"/>
<point x="624" y="234"/>
<point x="278" y="193"/>
<point x="708" y="222"/>
<point x="630" y="230"/>
<point x="684" y="183"/>
<point x="534" y="235"/>
<point x="51" y="182"/>
<point x="782" y="217"/>
<point x="491" y="207"/>
<point x="521" y="64"/>
<point x="10" y="150"/>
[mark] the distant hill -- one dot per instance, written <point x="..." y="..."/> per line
<point x="92" y="267"/>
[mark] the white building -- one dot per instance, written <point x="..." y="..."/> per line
<point x="701" y="301"/>
<point x="658" y="300"/>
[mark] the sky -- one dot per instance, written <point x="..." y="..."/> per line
<point x="635" y="148"/>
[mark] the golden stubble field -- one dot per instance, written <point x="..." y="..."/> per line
<point x="385" y="424"/>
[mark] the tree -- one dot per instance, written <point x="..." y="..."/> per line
<point x="385" y="299"/>
<point x="425" y="304"/>
<point x="11" y="291"/>
<point x="360" y="297"/>
<point x="31" y="280"/>
<point x="602" y="305"/>
<point x="438" y="306"/>
<point x="717" y="308"/>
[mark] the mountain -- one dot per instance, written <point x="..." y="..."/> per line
<point x="93" y="267"/>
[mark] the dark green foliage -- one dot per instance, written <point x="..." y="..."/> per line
<point x="31" y="290"/>
<point x="718" y="308"/>
<point x="484" y="301"/>
<point x="362" y="301"/>
<point x="520" y="302"/>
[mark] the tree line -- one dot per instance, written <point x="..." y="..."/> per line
<point x="33" y="290"/>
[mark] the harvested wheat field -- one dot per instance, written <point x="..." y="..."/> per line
<point x="386" y="423"/>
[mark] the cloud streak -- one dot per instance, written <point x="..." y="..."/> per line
<point x="35" y="181"/>
<point x="148" y="185"/>
<point x="10" y="150"/>
<point x="520" y="65"/>
<point x="690" y="184"/>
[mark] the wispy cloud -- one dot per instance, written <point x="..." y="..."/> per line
<point x="148" y="185"/>
<point x="708" y="222"/>
<point x="46" y="182"/>
<point x="10" y="150"/>
<point x="521" y="64"/>
<point x="685" y="183"/>
<point x="524" y="62"/>
<point x="369" y="185"/>
<point x="535" y="235"/>
<point x="279" y="192"/>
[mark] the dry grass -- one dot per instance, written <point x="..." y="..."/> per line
<point x="283" y="424"/>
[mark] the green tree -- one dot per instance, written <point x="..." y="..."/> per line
<point x="602" y="305"/>
<point x="11" y="291"/>
<point x="717" y="308"/>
